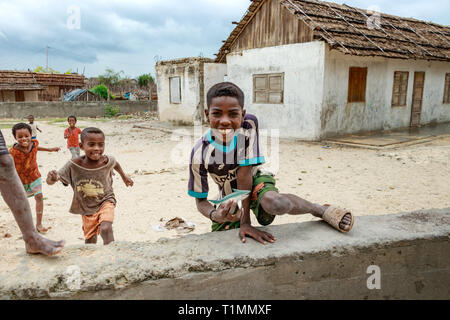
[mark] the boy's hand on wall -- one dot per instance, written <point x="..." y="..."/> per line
<point x="56" y="149"/>
<point x="258" y="235"/>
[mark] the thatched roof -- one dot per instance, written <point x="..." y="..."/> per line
<point x="25" y="80"/>
<point x="18" y="80"/>
<point x="347" y="29"/>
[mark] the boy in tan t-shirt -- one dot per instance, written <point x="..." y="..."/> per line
<point x="91" y="179"/>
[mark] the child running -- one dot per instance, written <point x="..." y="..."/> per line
<point x="34" y="127"/>
<point x="90" y="177"/>
<point x="24" y="153"/>
<point x="14" y="196"/>
<point x="230" y="153"/>
<point x="71" y="134"/>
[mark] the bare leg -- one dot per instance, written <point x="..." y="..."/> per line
<point x="280" y="203"/>
<point x="14" y="195"/>
<point x="92" y="239"/>
<point x="106" y="232"/>
<point x="39" y="212"/>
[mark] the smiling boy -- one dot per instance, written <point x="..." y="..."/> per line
<point x="71" y="134"/>
<point x="24" y="153"/>
<point x="90" y="177"/>
<point x="14" y="196"/>
<point x="230" y="153"/>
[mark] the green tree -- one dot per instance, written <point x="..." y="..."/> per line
<point x="100" y="90"/>
<point x="41" y="69"/>
<point x="110" y="77"/>
<point x="145" y="79"/>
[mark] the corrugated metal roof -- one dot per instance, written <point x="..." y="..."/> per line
<point x="71" y="95"/>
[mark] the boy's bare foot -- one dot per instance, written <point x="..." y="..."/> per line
<point x="40" y="228"/>
<point x="345" y="222"/>
<point x="39" y="244"/>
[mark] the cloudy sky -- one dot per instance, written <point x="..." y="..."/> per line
<point x="131" y="35"/>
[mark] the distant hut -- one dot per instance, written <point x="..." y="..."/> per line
<point x="23" y="86"/>
<point x="82" y="95"/>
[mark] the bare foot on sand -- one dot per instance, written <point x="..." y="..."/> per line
<point x="39" y="244"/>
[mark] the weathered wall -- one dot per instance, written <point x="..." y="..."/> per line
<point x="309" y="260"/>
<point x="63" y="109"/>
<point x="303" y="67"/>
<point x="8" y="96"/>
<point x="272" y="25"/>
<point x="213" y="73"/>
<point x="339" y="117"/>
<point x="190" y="73"/>
<point x="31" y="95"/>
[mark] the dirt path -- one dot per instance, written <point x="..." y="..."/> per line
<point x="368" y="182"/>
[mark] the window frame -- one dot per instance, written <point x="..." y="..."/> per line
<point x="267" y="91"/>
<point x="402" y="95"/>
<point x="170" y="89"/>
<point x="446" y="98"/>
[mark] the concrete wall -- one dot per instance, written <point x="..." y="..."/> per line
<point x="303" y="67"/>
<point x="190" y="74"/>
<point x="213" y="73"/>
<point x="309" y="260"/>
<point x="63" y="109"/>
<point x="339" y="117"/>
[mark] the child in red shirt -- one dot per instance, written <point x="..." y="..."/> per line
<point x="24" y="154"/>
<point x="71" y="134"/>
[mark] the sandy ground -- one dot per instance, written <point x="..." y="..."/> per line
<point x="368" y="182"/>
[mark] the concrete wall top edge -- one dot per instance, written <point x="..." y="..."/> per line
<point x="122" y="264"/>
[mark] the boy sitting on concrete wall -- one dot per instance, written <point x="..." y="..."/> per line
<point x="230" y="153"/>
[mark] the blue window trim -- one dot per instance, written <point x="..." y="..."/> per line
<point x="252" y="161"/>
<point x="224" y="149"/>
<point x="198" y="194"/>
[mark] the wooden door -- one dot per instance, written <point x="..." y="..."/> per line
<point x="20" y="96"/>
<point x="416" y="106"/>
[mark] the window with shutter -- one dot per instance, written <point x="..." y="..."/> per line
<point x="357" y="84"/>
<point x="400" y="88"/>
<point x="447" y="88"/>
<point x="175" y="89"/>
<point x="268" y="88"/>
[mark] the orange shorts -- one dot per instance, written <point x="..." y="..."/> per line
<point x="91" y="224"/>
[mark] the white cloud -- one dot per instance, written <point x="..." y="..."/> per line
<point x="127" y="35"/>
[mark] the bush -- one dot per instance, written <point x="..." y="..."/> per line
<point x="145" y="79"/>
<point x="111" y="111"/>
<point x="100" y="90"/>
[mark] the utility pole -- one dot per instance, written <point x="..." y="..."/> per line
<point x="46" y="66"/>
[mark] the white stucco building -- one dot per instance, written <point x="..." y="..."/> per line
<point x="182" y="87"/>
<point x="315" y="69"/>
